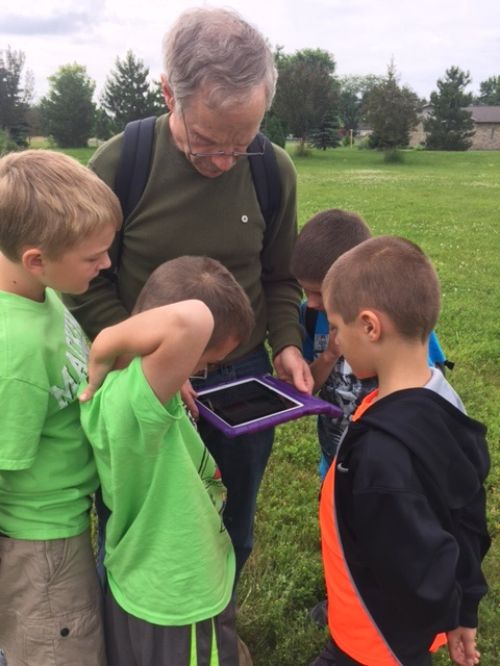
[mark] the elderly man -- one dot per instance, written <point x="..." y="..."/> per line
<point x="200" y="199"/>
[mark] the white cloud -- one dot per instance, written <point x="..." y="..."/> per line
<point x="424" y="38"/>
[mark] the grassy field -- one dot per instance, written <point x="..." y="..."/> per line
<point x="450" y="205"/>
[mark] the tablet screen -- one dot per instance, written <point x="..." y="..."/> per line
<point x="245" y="402"/>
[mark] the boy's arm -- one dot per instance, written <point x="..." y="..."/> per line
<point x="322" y="367"/>
<point x="409" y="553"/>
<point x="171" y="339"/>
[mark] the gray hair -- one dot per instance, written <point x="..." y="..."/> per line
<point x="216" y="48"/>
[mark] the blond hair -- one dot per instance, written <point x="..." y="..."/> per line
<point x="388" y="274"/>
<point x="50" y="201"/>
<point x="209" y="281"/>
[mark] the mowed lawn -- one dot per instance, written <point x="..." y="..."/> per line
<point x="449" y="203"/>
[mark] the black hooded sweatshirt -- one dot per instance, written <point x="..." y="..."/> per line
<point x="411" y="511"/>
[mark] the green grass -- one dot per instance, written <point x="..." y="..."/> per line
<point x="449" y="203"/>
<point x="81" y="154"/>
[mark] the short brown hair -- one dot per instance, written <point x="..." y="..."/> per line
<point x="51" y="201"/>
<point x="209" y="281"/>
<point x="323" y="239"/>
<point x="388" y="274"/>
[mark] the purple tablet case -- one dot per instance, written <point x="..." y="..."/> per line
<point x="292" y="404"/>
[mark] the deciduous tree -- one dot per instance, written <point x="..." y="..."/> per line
<point x="306" y="90"/>
<point x="353" y="90"/>
<point x="489" y="92"/>
<point x="15" y="95"/>
<point x="68" y="111"/>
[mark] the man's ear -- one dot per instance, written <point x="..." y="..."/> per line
<point x="32" y="260"/>
<point x="371" y="324"/>
<point x="168" y="95"/>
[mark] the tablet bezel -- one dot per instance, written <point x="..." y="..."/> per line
<point x="305" y="405"/>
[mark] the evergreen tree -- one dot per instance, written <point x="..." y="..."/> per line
<point x="306" y="90"/>
<point x="68" y="111"/>
<point x="489" y="92"/>
<point x="103" y="125"/>
<point x="450" y="125"/>
<point x="14" y="96"/>
<point x="391" y="111"/>
<point x="128" y="95"/>
<point x="327" y="134"/>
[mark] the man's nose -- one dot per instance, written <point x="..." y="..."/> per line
<point x="224" y="162"/>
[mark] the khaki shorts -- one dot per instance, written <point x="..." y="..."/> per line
<point x="50" y="603"/>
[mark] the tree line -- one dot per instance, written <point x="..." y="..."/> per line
<point x="312" y="103"/>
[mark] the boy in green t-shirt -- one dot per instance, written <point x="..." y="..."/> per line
<point x="169" y="560"/>
<point x="57" y="220"/>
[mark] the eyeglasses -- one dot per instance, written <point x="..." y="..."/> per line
<point x="235" y="154"/>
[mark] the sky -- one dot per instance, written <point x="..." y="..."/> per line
<point x="423" y="37"/>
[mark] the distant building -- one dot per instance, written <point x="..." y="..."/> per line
<point x="487" y="127"/>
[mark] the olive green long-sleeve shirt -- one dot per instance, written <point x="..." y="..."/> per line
<point x="182" y="212"/>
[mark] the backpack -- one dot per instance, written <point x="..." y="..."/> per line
<point x="135" y="164"/>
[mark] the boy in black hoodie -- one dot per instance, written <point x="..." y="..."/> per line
<point x="402" y="511"/>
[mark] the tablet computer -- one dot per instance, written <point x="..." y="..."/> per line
<point x="256" y="403"/>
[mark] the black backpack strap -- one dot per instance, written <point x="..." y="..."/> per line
<point x="135" y="163"/>
<point x="266" y="177"/>
<point x="310" y="318"/>
<point x="133" y="173"/>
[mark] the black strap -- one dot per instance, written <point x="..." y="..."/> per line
<point x="266" y="177"/>
<point x="310" y="318"/>
<point x="135" y="164"/>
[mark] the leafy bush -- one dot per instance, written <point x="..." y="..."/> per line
<point x="7" y="145"/>
<point x="393" y="156"/>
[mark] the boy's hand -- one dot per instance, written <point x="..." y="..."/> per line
<point x="97" y="370"/>
<point x="188" y="394"/>
<point x="291" y="367"/>
<point x="462" y="646"/>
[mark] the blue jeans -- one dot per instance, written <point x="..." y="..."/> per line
<point x="242" y="460"/>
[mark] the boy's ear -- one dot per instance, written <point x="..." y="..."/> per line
<point x="371" y="324"/>
<point x="32" y="260"/>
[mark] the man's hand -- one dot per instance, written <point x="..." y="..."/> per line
<point x="291" y="367"/>
<point x="462" y="646"/>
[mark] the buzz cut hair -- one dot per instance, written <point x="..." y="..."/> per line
<point x="50" y="201"/>
<point x="323" y="239"/>
<point x="207" y="280"/>
<point x="389" y="274"/>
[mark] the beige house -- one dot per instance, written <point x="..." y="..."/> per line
<point x="487" y="127"/>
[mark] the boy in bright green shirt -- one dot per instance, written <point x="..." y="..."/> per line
<point x="169" y="560"/>
<point x="57" y="221"/>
